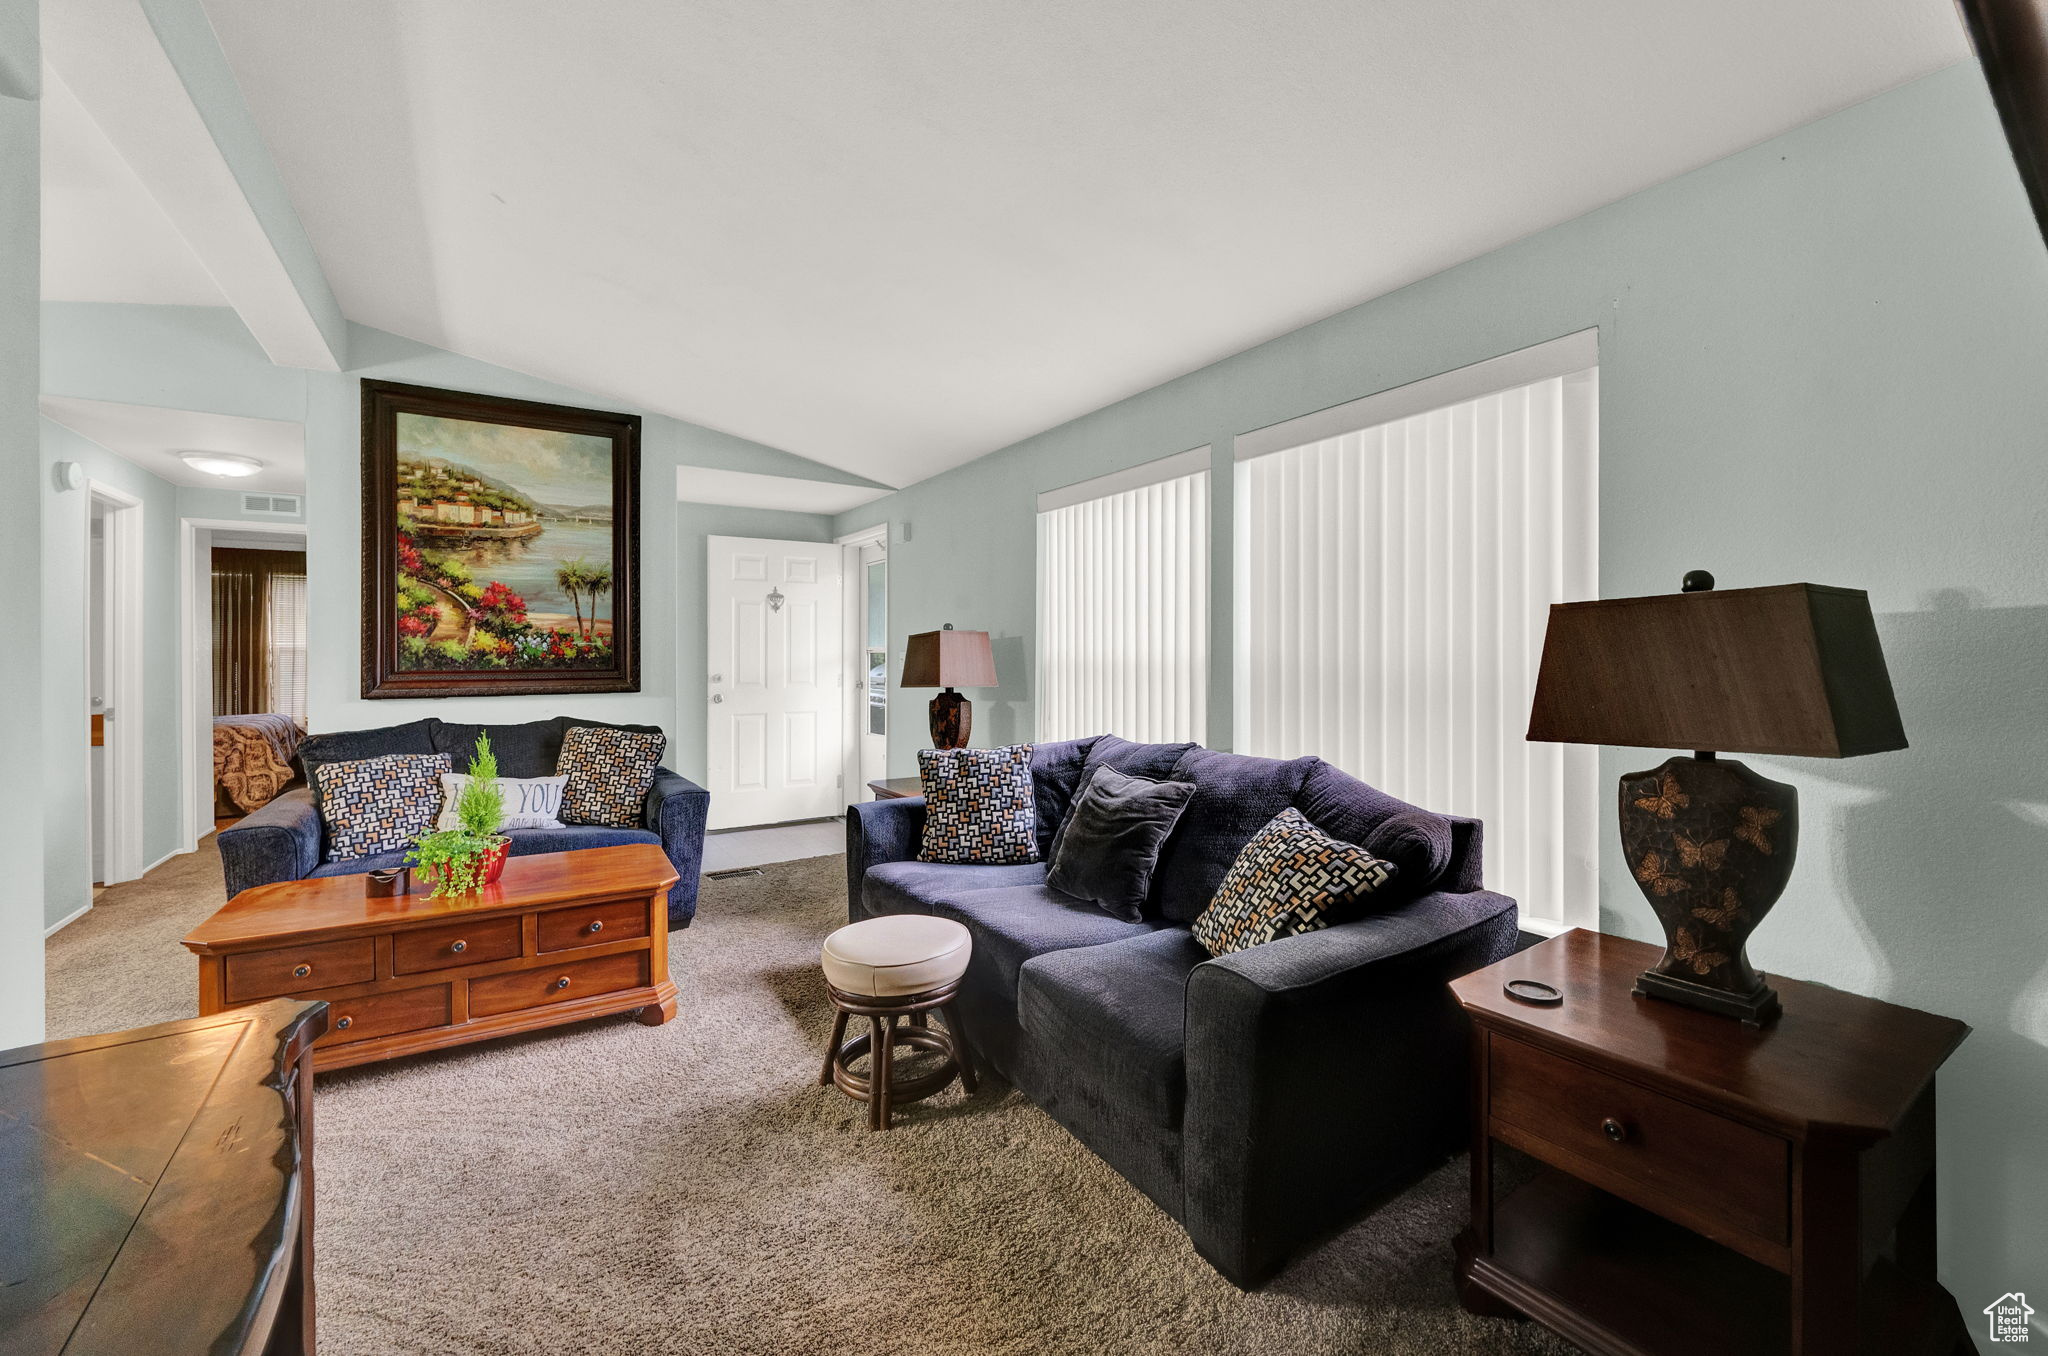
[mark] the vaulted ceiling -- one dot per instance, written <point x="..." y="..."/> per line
<point x="893" y="235"/>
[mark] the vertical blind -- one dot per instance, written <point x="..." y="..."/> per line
<point x="285" y="628"/>
<point x="1394" y="582"/>
<point x="1123" y="604"/>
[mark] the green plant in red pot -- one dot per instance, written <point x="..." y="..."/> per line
<point x="466" y="858"/>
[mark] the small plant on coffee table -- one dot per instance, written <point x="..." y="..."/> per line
<point x="462" y="860"/>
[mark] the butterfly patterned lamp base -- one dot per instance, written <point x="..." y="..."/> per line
<point x="1712" y="844"/>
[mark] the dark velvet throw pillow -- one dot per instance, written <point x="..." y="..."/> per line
<point x="1109" y="842"/>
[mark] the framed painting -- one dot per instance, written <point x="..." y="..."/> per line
<point x="501" y="546"/>
<point x="2011" y="38"/>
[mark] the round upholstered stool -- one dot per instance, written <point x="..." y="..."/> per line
<point x="885" y="969"/>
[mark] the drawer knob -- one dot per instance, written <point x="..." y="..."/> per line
<point x="344" y="1024"/>
<point x="458" y="946"/>
<point x="301" y="971"/>
<point x="596" y="925"/>
<point x="1614" y="1130"/>
<point x="562" y="983"/>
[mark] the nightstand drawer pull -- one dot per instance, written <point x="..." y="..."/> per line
<point x="458" y="946"/>
<point x="301" y="971"/>
<point x="1615" y="1131"/>
<point x="562" y="983"/>
<point x="344" y="1024"/>
<point x="596" y="925"/>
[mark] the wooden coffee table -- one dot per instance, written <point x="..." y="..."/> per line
<point x="563" y="936"/>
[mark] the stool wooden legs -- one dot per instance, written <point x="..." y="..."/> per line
<point x="880" y="1087"/>
<point x="832" y="1050"/>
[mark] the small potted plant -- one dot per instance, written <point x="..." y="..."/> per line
<point x="466" y="858"/>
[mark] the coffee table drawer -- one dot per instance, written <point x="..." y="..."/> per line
<point x="487" y="939"/>
<point x="386" y="1014"/>
<point x="299" y="969"/>
<point x="556" y="983"/>
<point x="1639" y="1144"/>
<point x="561" y="929"/>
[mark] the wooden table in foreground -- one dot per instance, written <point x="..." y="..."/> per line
<point x="563" y="936"/>
<point x="156" y="1189"/>
<point x="897" y="788"/>
<point x="1704" y="1188"/>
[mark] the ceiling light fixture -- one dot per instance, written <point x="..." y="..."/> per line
<point x="221" y="463"/>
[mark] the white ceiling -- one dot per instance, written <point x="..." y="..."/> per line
<point x="895" y="235"/>
<point x="151" y="438"/>
<point x="104" y="237"/>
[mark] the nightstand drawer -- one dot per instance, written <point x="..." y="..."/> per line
<point x="1665" y="1155"/>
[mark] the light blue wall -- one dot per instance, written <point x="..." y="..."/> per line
<point x="1825" y="358"/>
<point x="21" y="556"/>
<point x="67" y="863"/>
<point x="201" y="358"/>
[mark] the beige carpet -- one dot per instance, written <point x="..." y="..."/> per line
<point x="614" y="1188"/>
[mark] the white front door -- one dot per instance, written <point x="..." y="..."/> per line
<point x="776" y="665"/>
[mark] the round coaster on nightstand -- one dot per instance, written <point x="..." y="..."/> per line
<point x="1533" y="991"/>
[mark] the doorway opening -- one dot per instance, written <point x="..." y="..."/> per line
<point x="866" y="561"/>
<point x="777" y="681"/>
<point x="113" y="684"/>
<point x="261" y="666"/>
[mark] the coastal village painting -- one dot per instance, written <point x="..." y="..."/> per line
<point x="499" y="527"/>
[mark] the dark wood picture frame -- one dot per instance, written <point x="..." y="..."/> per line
<point x="2011" y="38"/>
<point x="383" y="402"/>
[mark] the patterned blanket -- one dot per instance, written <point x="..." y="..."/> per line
<point x="252" y="756"/>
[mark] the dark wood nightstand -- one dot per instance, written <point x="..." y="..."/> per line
<point x="1700" y="1187"/>
<point x="897" y="788"/>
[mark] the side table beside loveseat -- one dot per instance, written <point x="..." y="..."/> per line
<point x="1699" y="1186"/>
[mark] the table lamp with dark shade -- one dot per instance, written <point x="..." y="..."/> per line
<point x="949" y="659"/>
<point x="1795" y="669"/>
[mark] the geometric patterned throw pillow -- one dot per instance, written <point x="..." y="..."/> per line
<point x="1291" y="878"/>
<point x="610" y="773"/>
<point x="379" y="804"/>
<point x="978" y="806"/>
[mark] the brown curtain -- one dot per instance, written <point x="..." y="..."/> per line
<point x="241" y="632"/>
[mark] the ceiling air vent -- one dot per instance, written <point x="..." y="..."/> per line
<point x="287" y="505"/>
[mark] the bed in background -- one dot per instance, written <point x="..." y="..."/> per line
<point x="252" y="758"/>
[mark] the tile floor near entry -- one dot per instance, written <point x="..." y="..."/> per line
<point x="731" y="849"/>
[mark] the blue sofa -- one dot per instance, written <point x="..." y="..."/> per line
<point x="1262" y="1098"/>
<point x="286" y="840"/>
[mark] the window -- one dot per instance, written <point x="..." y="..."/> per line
<point x="1123" y="604"/>
<point x="878" y="646"/>
<point x="259" y="632"/>
<point x="285" y="636"/>
<point x="1396" y="561"/>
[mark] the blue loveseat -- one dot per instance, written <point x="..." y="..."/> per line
<point x="1261" y="1098"/>
<point x="286" y="840"/>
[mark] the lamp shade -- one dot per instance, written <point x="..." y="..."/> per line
<point x="1791" y="669"/>
<point x="949" y="659"/>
